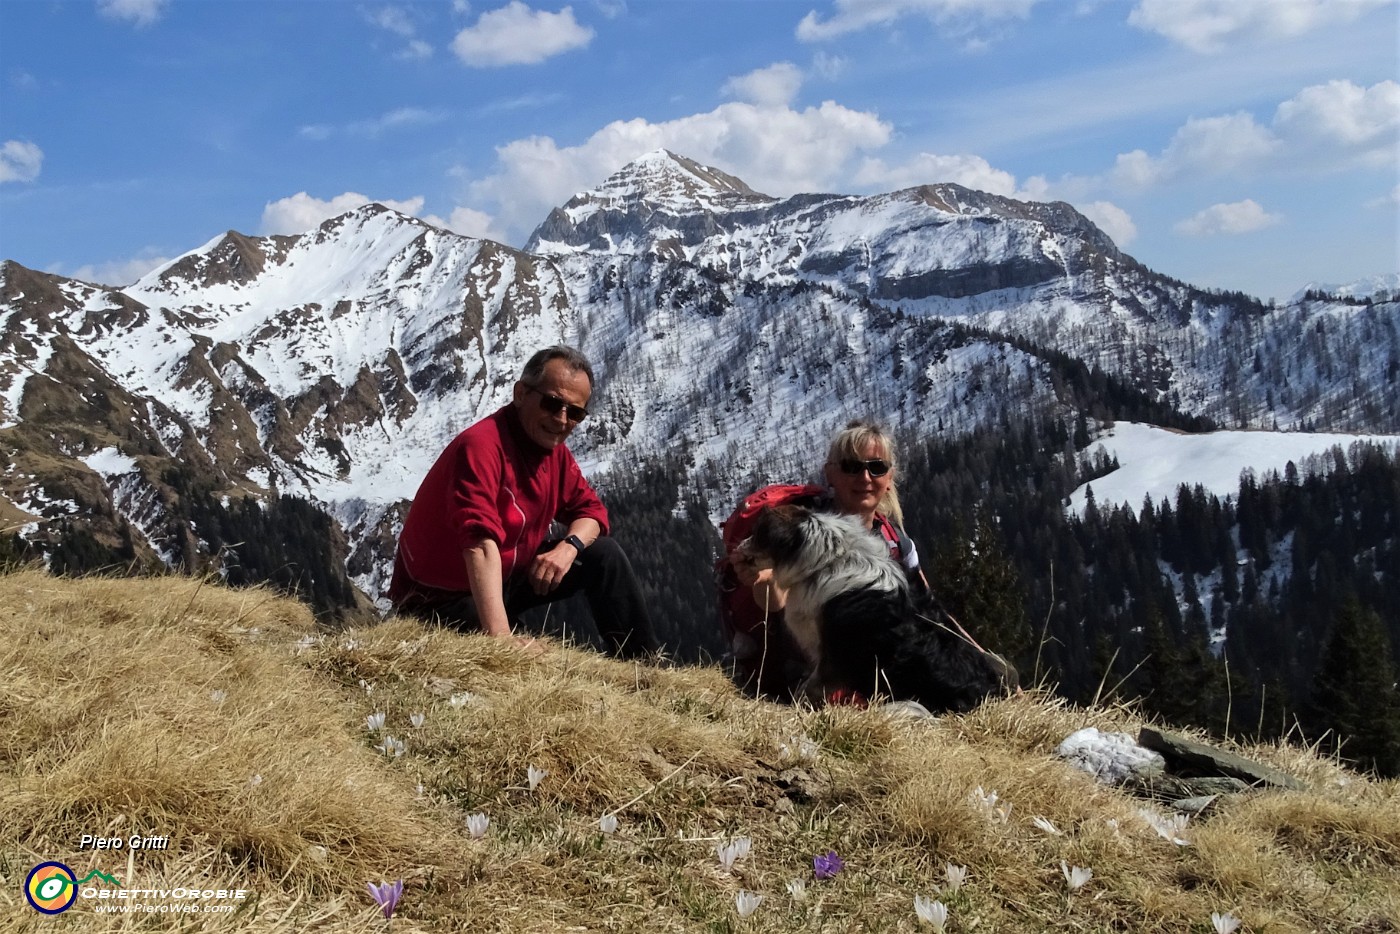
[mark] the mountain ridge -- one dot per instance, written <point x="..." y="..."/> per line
<point x="335" y="364"/>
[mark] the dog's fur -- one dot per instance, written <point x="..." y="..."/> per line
<point x="850" y="610"/>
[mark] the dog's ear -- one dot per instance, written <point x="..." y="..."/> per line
<point x="777" y="532"/>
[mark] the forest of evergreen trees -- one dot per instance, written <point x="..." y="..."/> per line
<point x="1267" y="614"/>
<point x="289" y="543"/>
<point x="1226" y="614"/>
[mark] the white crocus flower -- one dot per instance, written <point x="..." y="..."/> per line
<point x="956" y="876"/>
<point x="1076" y="876"/>
<point x="1226" y="923"/>
<point x="477" y="825"/>
<point x="417" y="720"/>
<point x="932" y="913"/>
<point x="732" y="851"/>
<point x="1047" y="826"/>
<point x="534" y="776"/>
<point x="797" y="888"/>
<point x="608" y="823"/>
<point x="375" y="722"/>
<point x="997" y="810"/>
<point x="1169" y="828"/>
<point x="746" y="902"/>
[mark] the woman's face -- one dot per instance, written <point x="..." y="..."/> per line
<point x="858" y="493"/>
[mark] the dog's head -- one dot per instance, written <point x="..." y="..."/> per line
<point x="777" y="537"/>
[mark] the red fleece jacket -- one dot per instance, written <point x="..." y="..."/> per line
<point x="492" y="482"/>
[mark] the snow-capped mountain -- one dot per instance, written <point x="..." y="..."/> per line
<point x="1385" y="287"/>
<point x="732" y="333"/>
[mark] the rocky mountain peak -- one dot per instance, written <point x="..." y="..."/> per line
<point x="658" y="190"/>
<point x="667" y="182"/>
<point x="232" y="258"/>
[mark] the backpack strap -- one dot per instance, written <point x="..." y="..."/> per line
<point x="894" y="537"/>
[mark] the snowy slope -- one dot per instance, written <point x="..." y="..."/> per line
<point x="1155" y="462"/>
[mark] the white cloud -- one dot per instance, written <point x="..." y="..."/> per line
<point x="138" y="12"/>
<point x="929" y="168"/>
<point x="376" y="126"/>
<point x="517" y="35"/>
<point x="1112" y="220"/>
<point x="394" y="19"/>
<point x="121" y="272"/>
<point x="1327" y="123"/>
<point x="855" y="15"/>
<point x="828" y="66"/>
<point x="469" y="222"/>
<point x="774" y="86"/>
<point x="1212" y="25"/>
<point x="20" y="161"/>
<point x="776" y="150"/>
<point x="1237" y="217"/>
<point x="523" y="102"/>
<point x="399" y="21"/>
<point x="1387" y="200"/>
<point x="1365" y="119"/>
<point x="1210" y="145"/>
<point x="301" y="212"/>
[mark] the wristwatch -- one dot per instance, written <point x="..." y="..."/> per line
<point x="576" y="542"/>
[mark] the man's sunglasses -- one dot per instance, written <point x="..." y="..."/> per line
<point x="876" y="466"/>
<point x="554" y="405"/>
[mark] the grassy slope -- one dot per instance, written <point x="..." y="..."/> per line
<point x="174" y="707"/>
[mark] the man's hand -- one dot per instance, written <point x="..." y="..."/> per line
<point x="528" y="644"/>
<point x="747" y="570"/>
<point x="548" y="569"/>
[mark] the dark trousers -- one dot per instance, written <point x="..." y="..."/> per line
<point x="601" y="573"/>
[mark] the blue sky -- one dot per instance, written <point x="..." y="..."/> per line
<point x="1235" y="144"/>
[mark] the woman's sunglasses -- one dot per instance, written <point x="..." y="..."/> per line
<point x="875" y="466"/>
<point x="554" y="405"/>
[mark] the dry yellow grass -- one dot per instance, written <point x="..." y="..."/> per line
<point x="178" y="708"/>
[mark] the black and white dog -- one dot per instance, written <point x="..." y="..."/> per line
<point x="850" y="610"/>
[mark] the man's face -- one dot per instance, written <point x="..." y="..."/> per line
<point x="546" y="429"/>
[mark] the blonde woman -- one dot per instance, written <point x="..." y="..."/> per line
<point x="860" y="473"/>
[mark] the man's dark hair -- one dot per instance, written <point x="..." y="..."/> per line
<point x="574" y="359"/>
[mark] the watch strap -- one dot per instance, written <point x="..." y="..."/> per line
<point x="576" y="542"/>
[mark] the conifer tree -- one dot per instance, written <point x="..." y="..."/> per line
<point x="1354" y="693"/>
<point x="976" y="583"/>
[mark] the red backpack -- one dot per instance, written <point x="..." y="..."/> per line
<point x="740" y="523"/>
<point x="765" y="660"/>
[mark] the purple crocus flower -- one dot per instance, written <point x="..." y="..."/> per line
<point x="824" y="867"/>
<point x="386" y="896"/>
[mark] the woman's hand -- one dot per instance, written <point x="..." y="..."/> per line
<point x="747" y="570"/>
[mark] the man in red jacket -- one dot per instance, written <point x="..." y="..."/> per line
<point x="475" y="550"/>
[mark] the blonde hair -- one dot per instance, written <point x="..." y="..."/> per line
<point x="851" y="441"/>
